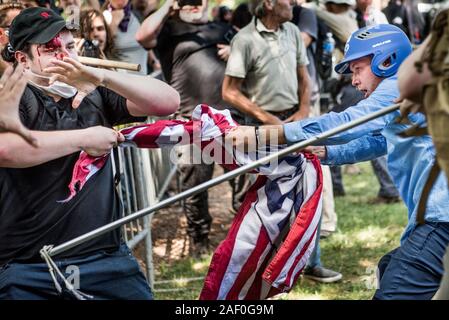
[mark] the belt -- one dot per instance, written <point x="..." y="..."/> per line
<point x="285" y="113"/>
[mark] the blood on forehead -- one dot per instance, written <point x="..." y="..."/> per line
<point x="54" y="43"/>
<point x="54" y="46"/>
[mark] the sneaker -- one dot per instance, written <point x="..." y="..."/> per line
<point x="321" y="274"/>
<point x="325" y="234"/>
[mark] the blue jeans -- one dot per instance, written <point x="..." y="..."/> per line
<point x="414" y="270"/>
<point x="104" y="275"/>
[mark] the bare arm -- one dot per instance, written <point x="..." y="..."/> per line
<point x="304" y="88"/>
<point x="16" y="153"/>
<point x="232" y="94"/>
<point x="306" y="38"/>
<point x="145" y="95"/>
<point x="116" y="17"/>
<point x="151" y="26"/>
<point x="411" y="81"/>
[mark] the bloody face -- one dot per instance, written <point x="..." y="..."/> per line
<point x="63" y="45"/>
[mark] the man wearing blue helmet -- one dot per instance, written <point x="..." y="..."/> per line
<point x="373" y="56"/>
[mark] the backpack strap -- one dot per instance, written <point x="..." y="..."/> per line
<point x="433" y="175"/>
<point x="414" y="131"/>
<point x="116" y="166"/>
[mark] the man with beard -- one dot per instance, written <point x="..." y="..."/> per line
<point x="187" y="46"/>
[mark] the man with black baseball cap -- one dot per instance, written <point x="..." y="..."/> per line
<point x="69" y="107"/>
<point x="35" y="25"/>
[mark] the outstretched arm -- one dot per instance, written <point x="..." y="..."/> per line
<point x="145" y="95"/>
<point x="16" y="153"/>
<point x="366" y="148"/>
<point x="232" y="93"/>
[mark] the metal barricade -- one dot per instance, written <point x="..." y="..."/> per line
<point x="144" y="176"/>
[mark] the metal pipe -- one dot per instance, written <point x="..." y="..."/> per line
<point x="137" y="238"/>
<point x="167" y="181"/>
<point x="230" y="175"/>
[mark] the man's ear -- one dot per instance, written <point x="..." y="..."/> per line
<point x="3" y="37"/>
<point x="268" y="4"/>
<point x="22" y="59"/>
<point x="387" y="62"/>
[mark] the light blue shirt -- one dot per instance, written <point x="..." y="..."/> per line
<point x="409" y="159"/>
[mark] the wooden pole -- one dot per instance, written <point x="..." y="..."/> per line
<point x="109" y="63"/>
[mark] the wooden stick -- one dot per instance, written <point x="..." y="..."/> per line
<point x="109" y="63"/>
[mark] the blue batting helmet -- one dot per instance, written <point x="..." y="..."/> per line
<point x="382" y="42"/>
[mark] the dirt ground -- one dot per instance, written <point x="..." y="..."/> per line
<point x="169" y="226"/>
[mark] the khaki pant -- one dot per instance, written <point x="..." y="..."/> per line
<point x="329" y="216"/>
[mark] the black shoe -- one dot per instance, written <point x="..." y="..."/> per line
<point x="384" y="200"/>
<point x="199" y="248"/>
<point x="325" y="234"/>
<point x="321" y="274"/>
<point x="339" y="193"/>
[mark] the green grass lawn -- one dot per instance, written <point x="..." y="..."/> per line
<point x="365" y="233"/>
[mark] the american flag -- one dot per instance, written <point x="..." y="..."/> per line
<point x="274" y="231"/>
<point x="206" y="126"/>
<point x="272" y="235"/>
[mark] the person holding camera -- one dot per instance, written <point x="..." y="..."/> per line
<point x="96" y="38"/>
<point x="187" y="46"/>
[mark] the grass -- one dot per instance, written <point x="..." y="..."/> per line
<point x="365" y="233"/>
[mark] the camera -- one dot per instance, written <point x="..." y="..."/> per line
<point x="182" y="3"/>
<point x="91" y="49"/>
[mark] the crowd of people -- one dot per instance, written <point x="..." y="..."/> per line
<point x="267" y="61"/>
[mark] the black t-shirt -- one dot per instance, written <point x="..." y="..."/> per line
<point x="30" y="213"/>
<point x="188" y="56"/>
